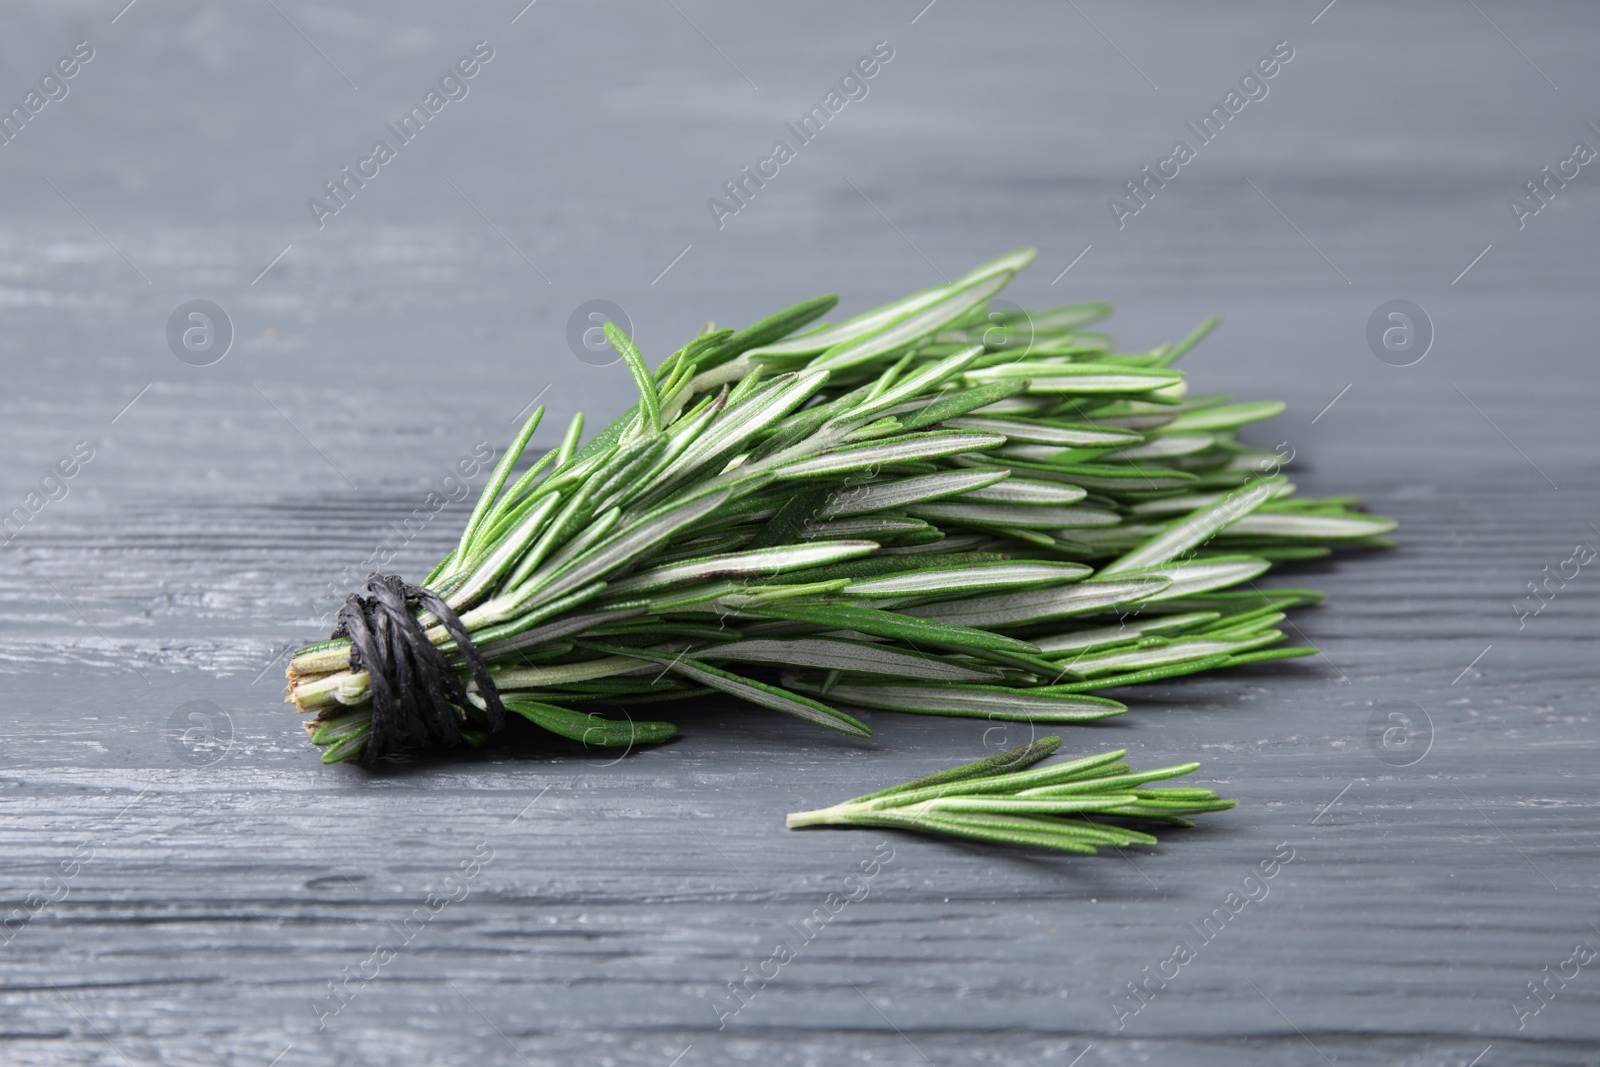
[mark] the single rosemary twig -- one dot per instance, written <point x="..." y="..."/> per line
<point x="1061" y="806"/>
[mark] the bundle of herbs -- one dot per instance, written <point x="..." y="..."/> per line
<point x="935" y="507"/>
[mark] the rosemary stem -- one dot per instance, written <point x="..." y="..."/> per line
<point x="833" y="816"/>
<point x="345" y="687"/>
<point x="321" y="660"/>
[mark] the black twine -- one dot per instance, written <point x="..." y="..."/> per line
<point x="415" y="691"/>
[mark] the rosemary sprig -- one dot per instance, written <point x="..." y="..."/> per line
<point x="1059" y="806"/>
<point x="935" y="507"/>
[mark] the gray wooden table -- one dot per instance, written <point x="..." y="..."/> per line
<point x="175" y="900"/>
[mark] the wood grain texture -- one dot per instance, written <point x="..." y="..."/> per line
<point x="184" y="908"/>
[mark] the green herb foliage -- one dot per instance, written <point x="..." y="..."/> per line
<point x="1063" y="806"/>
<point x="936" y="507"/>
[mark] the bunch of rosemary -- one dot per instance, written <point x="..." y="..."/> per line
<point x="933" y="507"/>
<point x="1057" y="807"/>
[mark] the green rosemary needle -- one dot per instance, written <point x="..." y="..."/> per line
<point x="1000" y="801"/>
